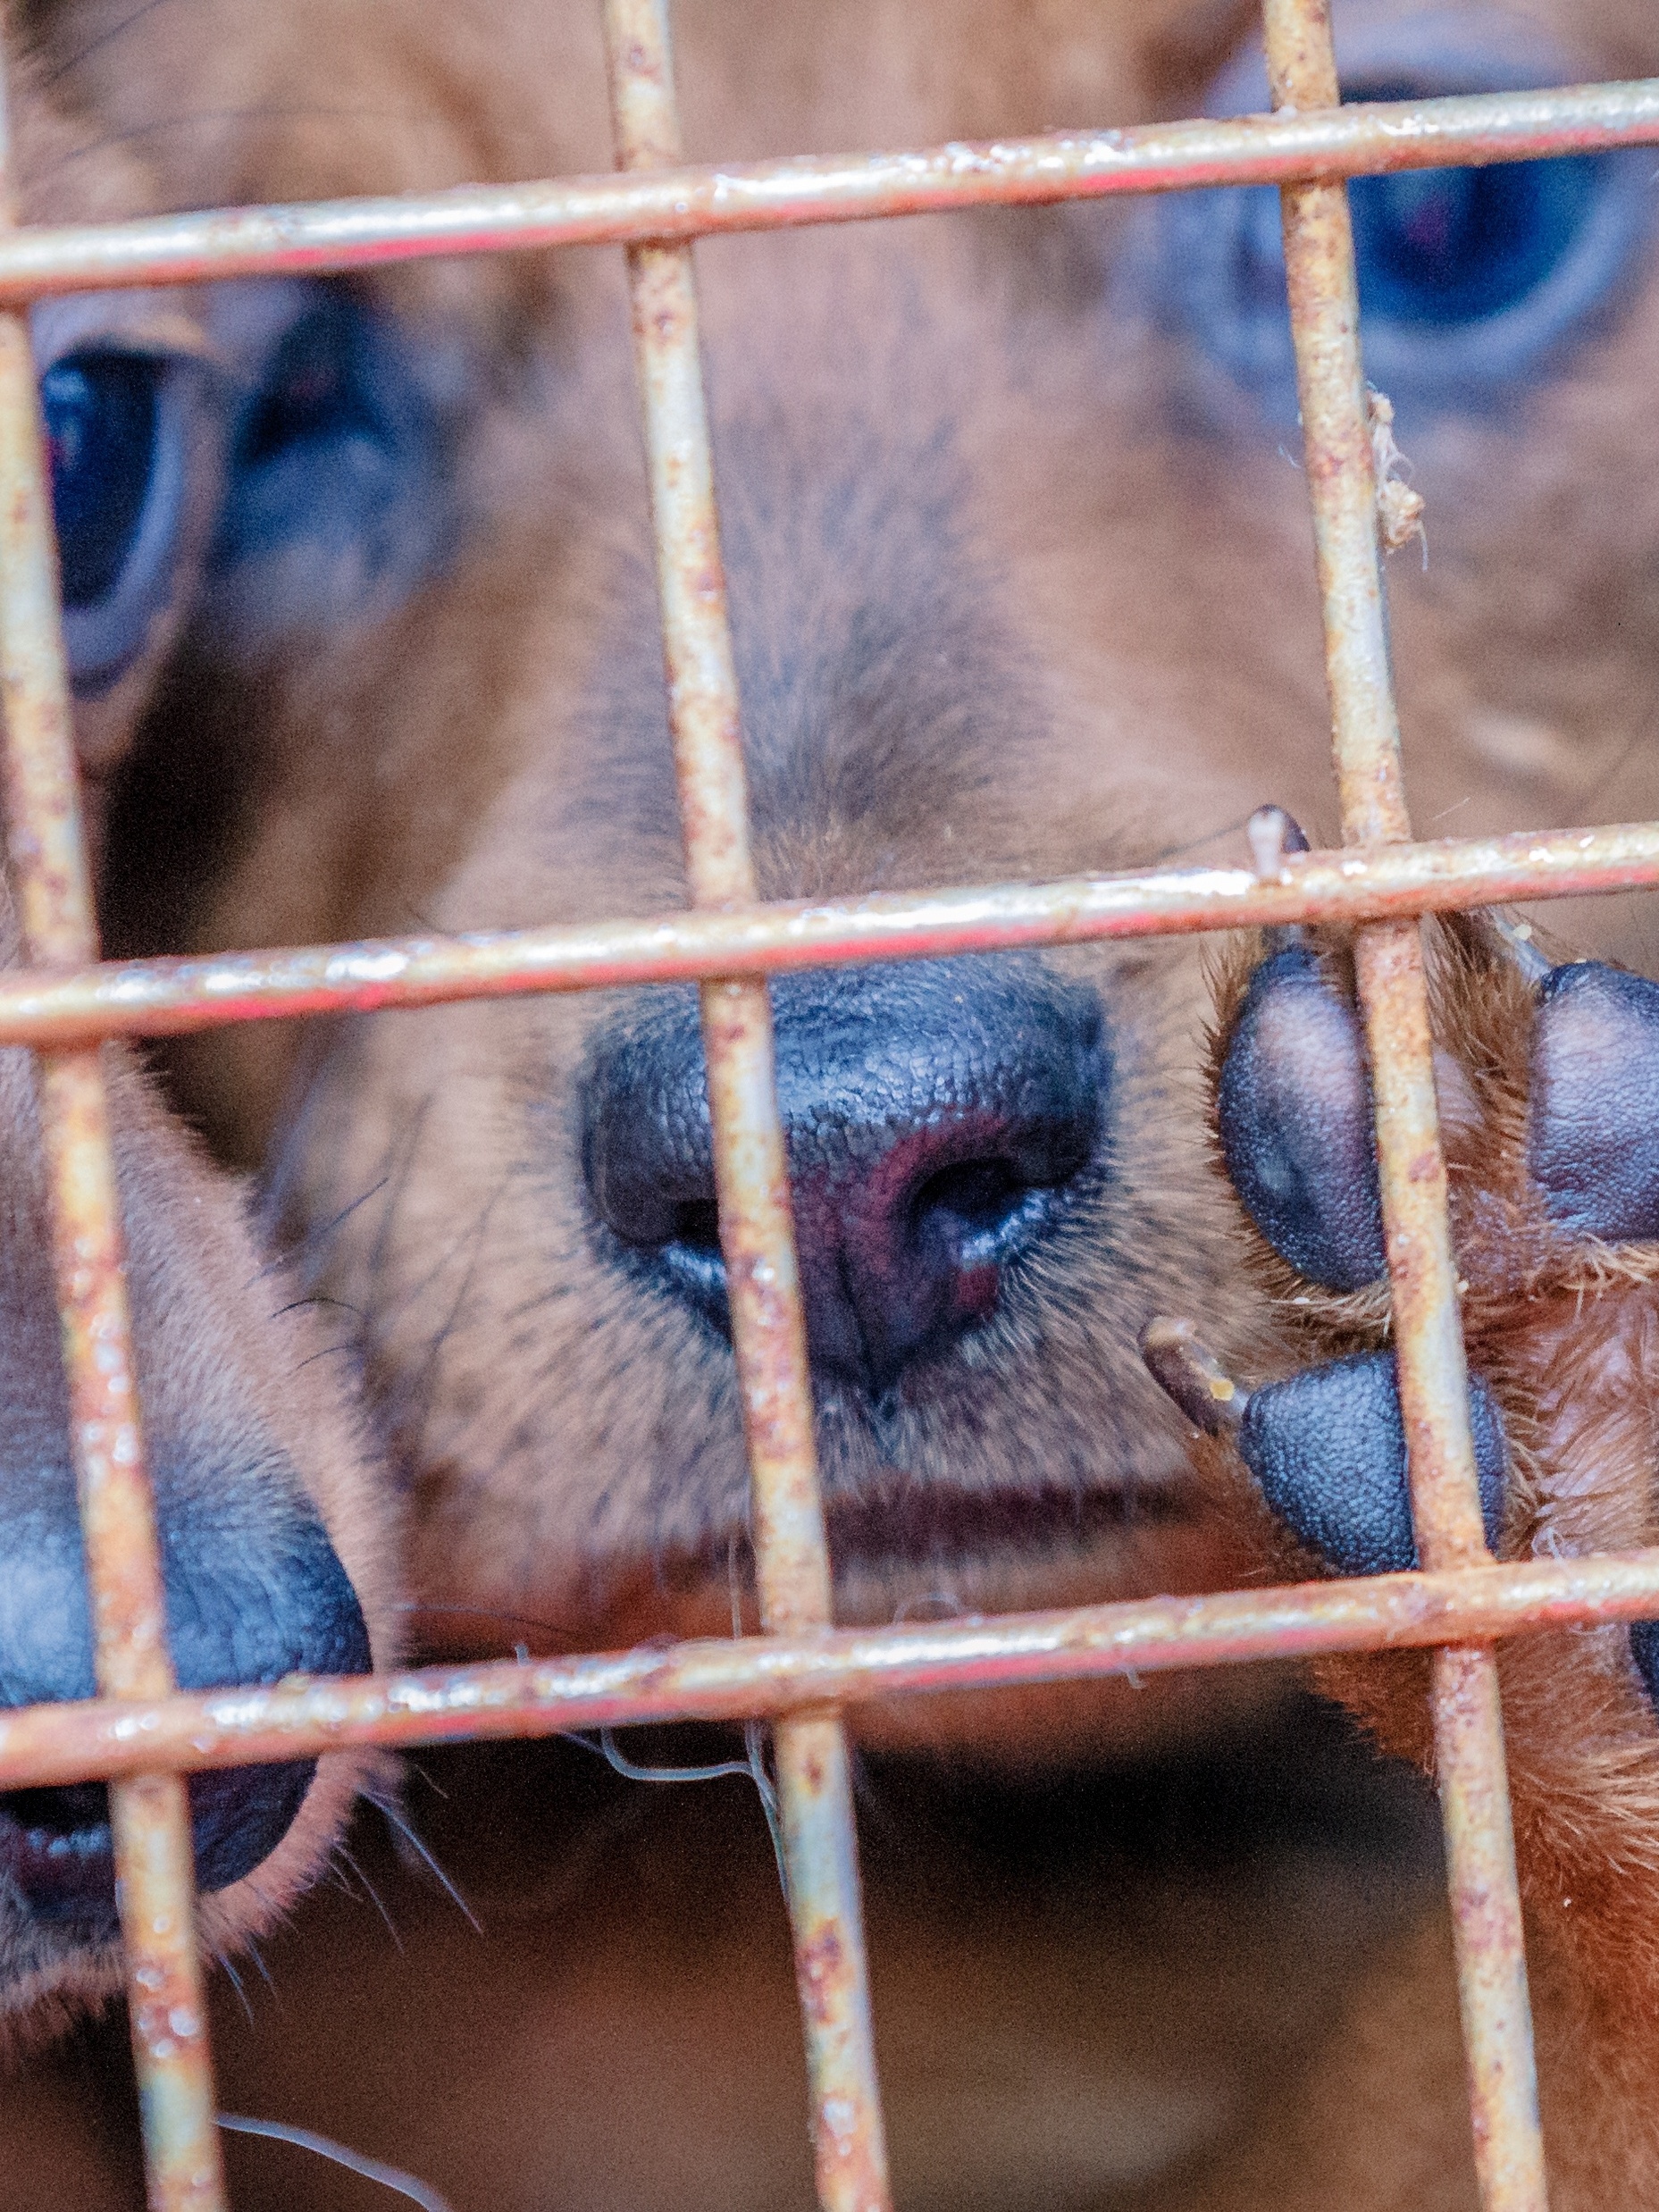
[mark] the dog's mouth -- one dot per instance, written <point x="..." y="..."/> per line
<point x="918" y="1525"/>
<point x="56" y="1850"/>
<point x="57" y="1853"/>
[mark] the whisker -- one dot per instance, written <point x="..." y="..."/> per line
<point x="608" y="1750"/>
<point x="488" y="1612"/>
<point x="397" y="1183"/>
<point x="373" y="1894"/>
<point x="62" y="69"/>
<point x="302" y="1095"/>
<point x="752" y="1767"/>
<point x="161" y="125"/>
<point x="237" y="1983"/>
<point x="257" y="1956"/>
<point x="318" y="1230"/>
<point x="766" y="1789"/>
<point x="391" y="2177"/>
<point x="394" y="1819"/>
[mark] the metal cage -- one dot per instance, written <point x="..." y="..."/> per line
<point x="142" y="1734"/>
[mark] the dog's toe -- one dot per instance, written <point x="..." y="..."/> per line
<point x="1293" y="1111"/>
<point x="1593" y="1135"/>
<point x="1327" y="1448"/>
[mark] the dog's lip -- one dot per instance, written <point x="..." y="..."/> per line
<point x="916" y="1523"/>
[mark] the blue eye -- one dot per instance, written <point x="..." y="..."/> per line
<point x="1448" y="246"/>
<point x="100" y="416"/>
<point x="335" y="484"/>
<point x="318" y="392"/>
<point x="1469" y="277"/>
<point x="115" y="454"/>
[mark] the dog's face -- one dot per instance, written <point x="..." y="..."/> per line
<point x="1020" y="577"/>
<point x="275" y="1537"/>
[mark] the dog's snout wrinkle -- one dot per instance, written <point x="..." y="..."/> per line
<point x="936" y="1117"/>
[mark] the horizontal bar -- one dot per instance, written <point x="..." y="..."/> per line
<point x="310" y="238"/>
<point x="717" y="1679"/>
<point x="168" y="997"/>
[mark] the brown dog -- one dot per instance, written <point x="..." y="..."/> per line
<point x="276" y="1537"/>
<point x="1021" y="582"/>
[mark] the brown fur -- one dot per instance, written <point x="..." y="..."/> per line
<point x="1022" y="586"/>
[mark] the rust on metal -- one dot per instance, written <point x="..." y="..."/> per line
<point x="684" y="202"/>
<point x="762" y="1677"/>
<point x="168" y="996"/>
<point x="1485" y="1926"/>
<point x="751" y="1180"/>
<point x="149" y="1813"/>
<point x="1427" y="1334"/>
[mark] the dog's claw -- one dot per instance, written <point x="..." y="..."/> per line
<point x="1271" y="833"/>
<point x="1187" y="1370"/>
<point x="1519" y="945"/>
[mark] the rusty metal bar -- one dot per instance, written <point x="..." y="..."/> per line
<point x="756" y="1231"/>
<point x="169" y="996"/>
<point x="763" y="1677"/>
<point x="164" y="996"/>
<point x="311" y="237"/>
<point x="1446" y="1508"/>
<point x="149" y="1813"/>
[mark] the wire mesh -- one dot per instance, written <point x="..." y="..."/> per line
<point x="144" y="1736"/>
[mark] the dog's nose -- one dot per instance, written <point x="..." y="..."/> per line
<point x="940" y="1119"/>
<point x="255" y="1591"/>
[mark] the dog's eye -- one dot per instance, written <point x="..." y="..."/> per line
<point x="115" y="446"/>
<point x="1439" y="246"/>
<point x="332" y="468"/>
<point x="319" y="390"/>
<point x="1469" y="277"/>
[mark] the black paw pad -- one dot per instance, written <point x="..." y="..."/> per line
<point x="1328" y="1447"/>
<point x="1592" y="1141"/>
<point x="1296" y="1120"/>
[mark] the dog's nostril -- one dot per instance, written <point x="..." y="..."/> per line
<point x="981" y="1201"/>
<point x="936" y="1118"/>
<point x="55" y="1846"/>
<point x="697" y="1226"/>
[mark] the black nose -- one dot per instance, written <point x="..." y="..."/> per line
<point x="940" y="1118"/>
<point x="255" y="1591"/>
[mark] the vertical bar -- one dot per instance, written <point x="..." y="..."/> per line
<point x="756" y="1229"/>
<point x="149" y="1814"/>
<point x="1467" y="1721"/>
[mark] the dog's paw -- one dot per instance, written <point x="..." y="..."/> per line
<point x="1548" y="1084"/>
